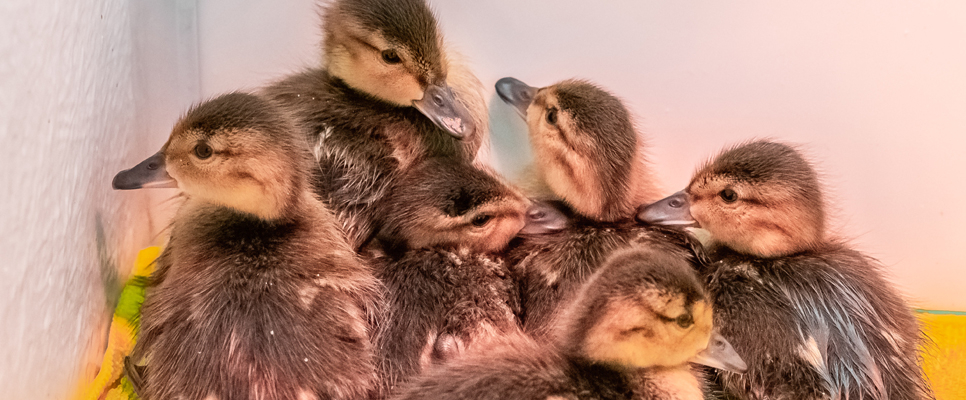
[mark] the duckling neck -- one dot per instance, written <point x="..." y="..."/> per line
<point x="603" y="379"/>
<point x="277" y="204"/>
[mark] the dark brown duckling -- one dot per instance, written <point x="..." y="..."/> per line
<point x="644" y="309"/>
<point x="447" y="288"/>
<point x="382" y="101"/>
<point x="813" y="318"/>
<point x="586" y="149"/>
<point x="257" y="295"/>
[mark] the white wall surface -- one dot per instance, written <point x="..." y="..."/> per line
<point x="81" y="84"/>
<point x="875" y="91"/>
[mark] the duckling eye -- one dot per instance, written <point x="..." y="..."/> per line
<point x="203" y="150"/>
<point x="481" y="219"/>
<point x="552" y="116"/>
<point x="684" y="321"/>
<point x="390" y="57"/>
<point x="728" y="195"/>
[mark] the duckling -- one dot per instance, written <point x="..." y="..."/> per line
<point x="644" y="309"/>
<point x="447" y="288"/>
<point x="586" y="149"/>
<point x="382" y="100"/>
<point x="258" y="295"/>
<point x="813" y="318"/>
<point x="558" y="250"/>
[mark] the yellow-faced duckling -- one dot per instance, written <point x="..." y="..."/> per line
<point x="813" y="318"/>
<point x="257" y="295"/>
<point x="447" y="287"/>
<point x="382" y="100"/>
<point x="644" y="309"/>
<point x="585" y="147"/>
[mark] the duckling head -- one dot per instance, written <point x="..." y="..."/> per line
<point x="585" y="146"/>
<point x="645" y="308"/>
<point x="393" y="51"/>
<point x="443" y="202"/>
<point x="760" y="198"/>
<point x="237" y="150"/>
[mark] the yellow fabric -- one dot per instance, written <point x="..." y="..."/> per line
<point x="945" y="360"/>
<point x="109" y="383"/>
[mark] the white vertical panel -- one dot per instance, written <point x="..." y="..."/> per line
<point x="86" y="89"/>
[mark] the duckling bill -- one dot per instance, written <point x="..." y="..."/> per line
<point x="257" y="295"/>
<point x="149" y="173"/>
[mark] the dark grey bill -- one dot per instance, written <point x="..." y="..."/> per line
<point x="543" y="218"/>
<point x="720" y="354"/>
<point x="440" y="106"/>
<point x="672" y="210"/>
<point x="516" y="93"/>
<point x="149" y="173"/>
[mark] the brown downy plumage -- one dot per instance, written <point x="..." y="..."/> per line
<point x="813" y="318"/>
<point x="257" y="295"/>
<point x="557" y="251"/>
<point x="447" y="289"/>
<point x="644" y="309"/>
<point x="586" y="149"/>
<point x="382" y="100"/>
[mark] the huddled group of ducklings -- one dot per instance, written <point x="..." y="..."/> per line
<point x="339" y="239"/>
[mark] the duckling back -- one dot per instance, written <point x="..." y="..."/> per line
<point x="819" y="324"/>
<point x="361" y="146"/>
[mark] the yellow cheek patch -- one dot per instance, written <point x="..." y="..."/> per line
<point x="622" y="335"/>
<point x="359" y="63"/>
<point x="569" y="174"/>
<point x="631" y="334"/>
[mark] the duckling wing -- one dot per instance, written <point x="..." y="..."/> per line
<point x="858" y="332"/>
<point x="821" y="324"/>
<point x="759" y="320"/>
